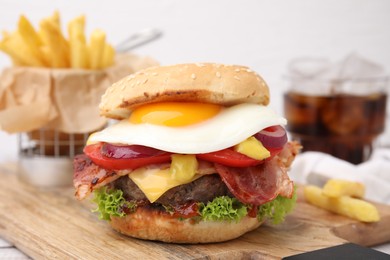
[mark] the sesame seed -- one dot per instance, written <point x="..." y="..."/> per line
<point x="237" y="70"/>
<point x="200" y="64"/>
<point x="154" y="74"/>
<point x="249" y="70"/>
<point x="218" y="74"/>
<point x="123" y="87"/>
<point x="236" y="78"/>
<point x="146" y="80"/>
<point x="193" y="76"/>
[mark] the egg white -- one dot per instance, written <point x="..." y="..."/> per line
<point x="230" y="127"/>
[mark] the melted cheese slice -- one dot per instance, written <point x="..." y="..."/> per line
<point x="154" y="182"/>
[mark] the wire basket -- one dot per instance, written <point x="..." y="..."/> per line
<point x="47" y="142"/>
<point x="46" y="156"/>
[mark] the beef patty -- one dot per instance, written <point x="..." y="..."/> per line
<point x="203" y="190"/>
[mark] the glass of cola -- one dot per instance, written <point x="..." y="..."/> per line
<point x="342" y="123"/>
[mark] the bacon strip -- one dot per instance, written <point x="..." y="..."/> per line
<point x="287" y="155"/>
<point x="263" y="183"/>
<point x="89" y="176"/>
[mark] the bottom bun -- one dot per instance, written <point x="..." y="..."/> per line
<point x="155" y="225"/>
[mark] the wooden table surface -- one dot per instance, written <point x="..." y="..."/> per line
<point x="9" y="251"/>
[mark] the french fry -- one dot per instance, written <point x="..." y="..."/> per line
<point x="337" y="188"/>
<point x="77" y="26"/>
<point x="55" y="18"/>
<point x="96" y="49"/>
<point x="45" y="48"/>
<point x="31" y="38"/>
<point x="46" y="55"/>
<point x="77" y="43"/>
<point x="15" y="60"/>
<point x="15" y="47"/>
<point x="108" y="55"/>
<point x="344" y="205"/>
<point x="56" y="42"/>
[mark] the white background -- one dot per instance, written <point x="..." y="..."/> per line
<point x="262" y="34"/>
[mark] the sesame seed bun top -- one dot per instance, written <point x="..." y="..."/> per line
<point x="225" y="85"/>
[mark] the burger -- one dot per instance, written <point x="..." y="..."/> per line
<point x="195" y="155"/>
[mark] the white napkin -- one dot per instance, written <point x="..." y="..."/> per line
<point x="316" y="168"/>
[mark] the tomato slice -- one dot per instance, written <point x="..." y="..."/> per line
<point x="94" y="152"/>
<point x="229" y="157"/>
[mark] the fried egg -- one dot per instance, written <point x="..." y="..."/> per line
<point x="189" y="128"/>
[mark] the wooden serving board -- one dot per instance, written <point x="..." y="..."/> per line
<point x="52" y="224"/>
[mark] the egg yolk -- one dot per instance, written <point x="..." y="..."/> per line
<point x="174" y="113"/>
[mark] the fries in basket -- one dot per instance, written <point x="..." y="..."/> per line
<point x="49" y="47"/>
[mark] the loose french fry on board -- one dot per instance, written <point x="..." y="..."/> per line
<point x="59" y="47"/>
<point x="344" y="205"/>
<point x="337" y="188"/>
<point x="77" y="43"/>
<point x="96" y="49"/>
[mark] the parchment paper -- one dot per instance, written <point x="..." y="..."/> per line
<point x="60" y="99"/>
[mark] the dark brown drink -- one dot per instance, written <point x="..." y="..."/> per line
<point x="342" y="125"/>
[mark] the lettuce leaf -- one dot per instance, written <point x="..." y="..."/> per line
<point x="277" y="209"/>
<point x="223" y="208"/>
<point x="110" y="202"/>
